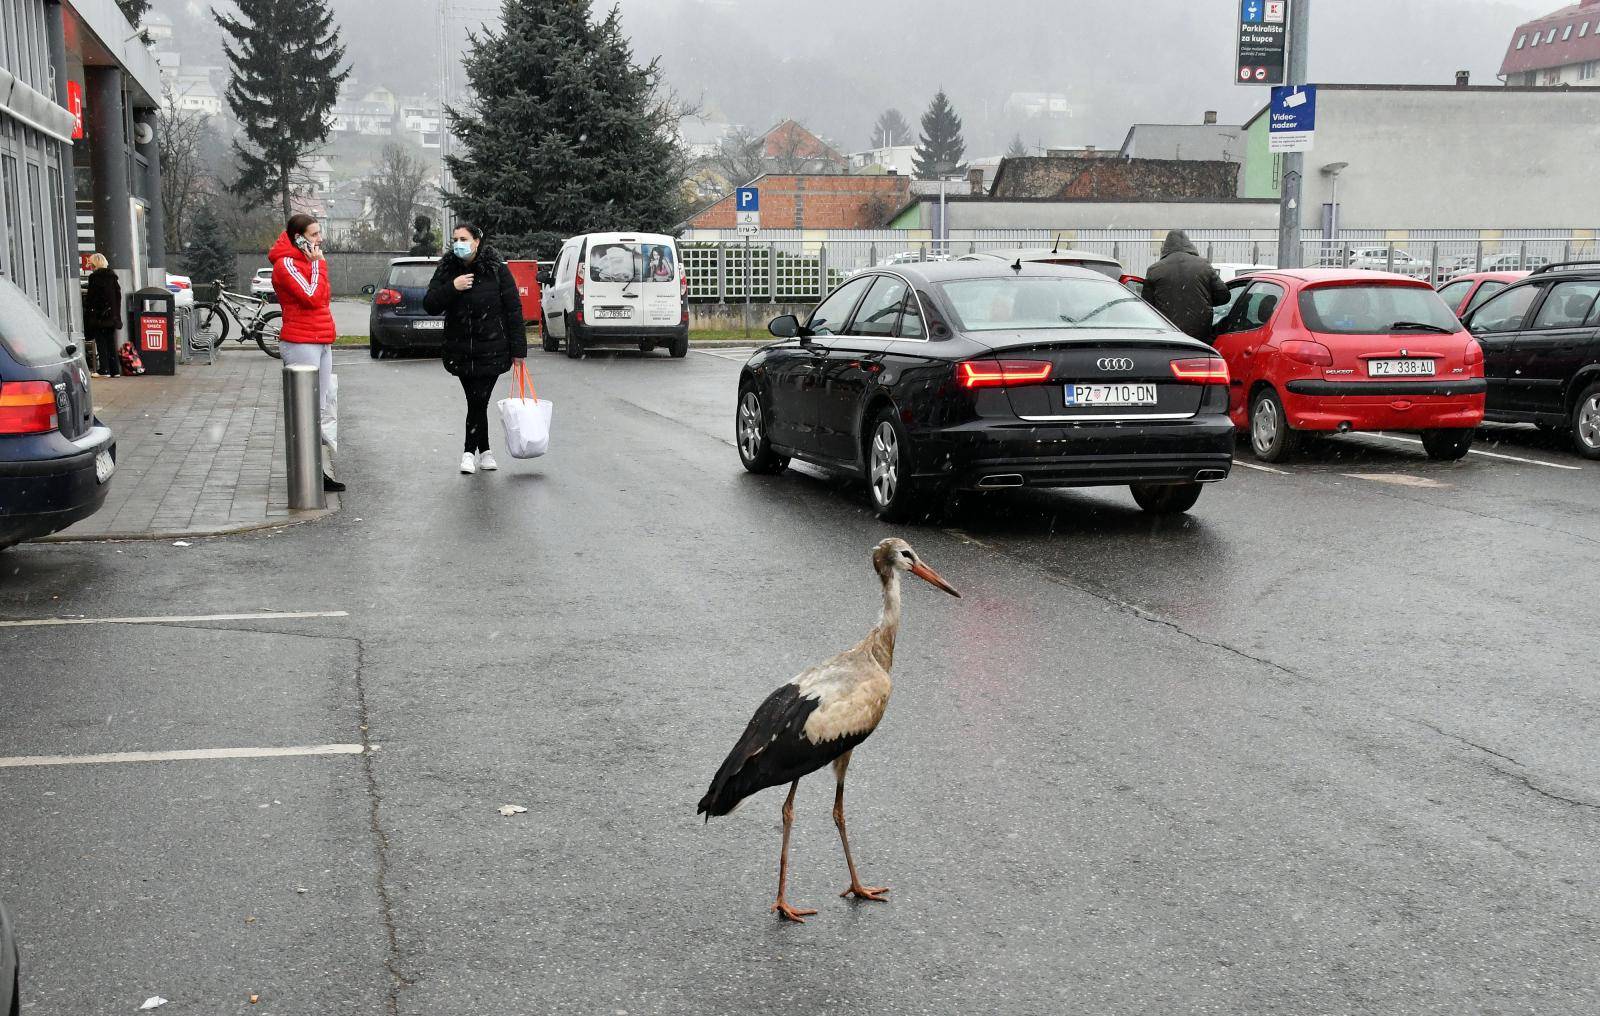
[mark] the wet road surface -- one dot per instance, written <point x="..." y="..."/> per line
<point x="1325" y="745"/>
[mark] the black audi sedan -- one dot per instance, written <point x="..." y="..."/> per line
<point x="928" y="378"/>
<point x="56" y="458"/>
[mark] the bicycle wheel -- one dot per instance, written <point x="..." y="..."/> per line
<point x="267" y="331"/>
<point x="210" y="328"/>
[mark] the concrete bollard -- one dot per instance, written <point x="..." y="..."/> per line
<point x="302" y="436"/>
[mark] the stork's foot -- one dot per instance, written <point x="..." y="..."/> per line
<point x="788" y="913"/>
<point x="876" y="894"/>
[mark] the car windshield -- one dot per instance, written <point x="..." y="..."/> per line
<point x="632" y="262"/>
<point x="1369" y="309"/>
<point x="25" y="332"/>
<point x="410" y="276"/>
<point x="1006" y="303"/>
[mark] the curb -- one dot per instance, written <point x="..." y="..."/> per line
<point x="298" y="519"/>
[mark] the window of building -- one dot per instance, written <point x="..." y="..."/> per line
<point x="1589" y="71"/>
<point x="1566" y="33"/>
<point x="1583" y="29"/>
<point x="1551" y="37"/>
<point x="13" y="207"/>
<point x="1535" y="42"/>
<point x="64" y="258"/>
<point x="1522" y="40"/>
<point x="41" y="263"/>
<point x="1551" y="77"/>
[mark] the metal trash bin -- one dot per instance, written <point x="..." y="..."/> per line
<point x="150" y="313"/>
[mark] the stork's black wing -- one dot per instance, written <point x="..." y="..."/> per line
<point x="773" y="750"/>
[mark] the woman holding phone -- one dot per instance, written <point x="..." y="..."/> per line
<point x="300" y="281"/>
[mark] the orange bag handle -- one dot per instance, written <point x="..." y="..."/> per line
<point x="519" y="374"/>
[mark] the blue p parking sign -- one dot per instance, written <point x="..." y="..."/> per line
<point x="747" y="199"/>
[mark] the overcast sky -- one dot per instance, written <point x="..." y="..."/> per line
<point x="835" y="64"/>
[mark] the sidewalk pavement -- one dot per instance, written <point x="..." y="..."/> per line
<point x="198" y="454"/>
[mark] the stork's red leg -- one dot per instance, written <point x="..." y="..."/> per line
<point x="856" y="889"/>
<point x="781" y="907"/>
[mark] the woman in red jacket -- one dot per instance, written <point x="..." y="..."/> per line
<point x="300" y="280"/>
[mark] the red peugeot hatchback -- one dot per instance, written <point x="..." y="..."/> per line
<point x="1339" y="350"/>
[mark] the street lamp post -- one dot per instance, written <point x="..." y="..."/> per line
<point x="1332" y="171"/>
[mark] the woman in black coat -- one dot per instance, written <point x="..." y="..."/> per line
<point x="102" y="314"/>
<point x="483" y="329"/>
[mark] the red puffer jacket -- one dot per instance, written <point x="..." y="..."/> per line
<point x="304" y="293"/>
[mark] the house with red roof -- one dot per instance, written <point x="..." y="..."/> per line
<point x="1561" y="48"/>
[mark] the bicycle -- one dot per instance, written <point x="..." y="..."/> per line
<point x="213" y="320"/>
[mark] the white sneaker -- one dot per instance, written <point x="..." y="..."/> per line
<point x="469" y="463"/>
<point x="486" y="462"/>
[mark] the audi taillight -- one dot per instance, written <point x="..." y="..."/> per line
<point x="1201" y="370"/>
<point x="1474" y="357"/>
<point x="387" y="297"/>
<point x="27" y="407"/>
<point x="1002" y="373"/>
<point x="1305" y="351"/>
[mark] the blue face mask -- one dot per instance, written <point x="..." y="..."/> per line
<point x="461" y="249"/>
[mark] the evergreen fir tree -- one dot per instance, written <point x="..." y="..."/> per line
<point x="941" y="148"/>
<point x="1018" y="149"/>
<point x="890" y="130"/>
<point x="285" y="56"/>
<point x="566" y="134"/>
<point x="134" y="10"/>
<point x="209" y="256"/>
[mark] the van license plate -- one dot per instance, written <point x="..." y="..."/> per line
<point x="612" y="313"/>
<point x="1111" y="395"/>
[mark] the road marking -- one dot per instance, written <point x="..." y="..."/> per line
<point x="1264" y="469"/>
<point x="744" y="354"/>
<point x="1398" y="479"/>
<point x="189" y="755"/>
<point x="964" y="538"/>
<point x="1488" y="455"/>
<point x="299" y="615"/>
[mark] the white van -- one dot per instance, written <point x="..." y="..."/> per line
<point x="616" y="289"/>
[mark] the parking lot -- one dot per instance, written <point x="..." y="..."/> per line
<point x="1323" y="745"/>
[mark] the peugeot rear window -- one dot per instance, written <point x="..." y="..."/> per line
<point x="410" y="276"/>
<point x="31" y="338"/>
<point x="1003" y="304"/>
<point x="632" y="262"/>
<point x="1374" y="309"/>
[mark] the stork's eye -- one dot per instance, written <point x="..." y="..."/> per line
<point x="906" y="554"/>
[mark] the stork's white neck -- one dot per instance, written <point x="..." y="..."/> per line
<point x="881" y="640"/>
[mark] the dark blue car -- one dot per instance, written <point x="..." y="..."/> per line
<point x="56" y="459"/>
<point x="398" y="321"/>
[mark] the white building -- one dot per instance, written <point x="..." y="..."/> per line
<point x="893" y="159"/>
<point x="195" y="93"/>
<point x="1561" y="48"/>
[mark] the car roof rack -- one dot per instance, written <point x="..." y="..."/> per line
<point x="1555" y="265"/>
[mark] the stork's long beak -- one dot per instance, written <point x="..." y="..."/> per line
<point x="927" y="574"/>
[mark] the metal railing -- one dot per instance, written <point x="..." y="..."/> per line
<point x="798" y="270"/>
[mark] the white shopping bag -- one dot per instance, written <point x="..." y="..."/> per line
<point x="526" y="417"/>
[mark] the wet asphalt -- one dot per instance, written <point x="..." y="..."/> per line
<point x="1324" y="746"/>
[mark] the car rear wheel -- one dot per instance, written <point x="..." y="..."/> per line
<point x="1586" y="423"/>
<point x="574" y="340"/>
<point x="547" y="341"/>
<point x="1166" y="498"/>
<point x="1447" y="445"/>
<point x="894" y="496"/>
<point x="1271" y="437"/>
<point x="374" y="348"/>
<point x="680" y="346"/>
<point x="750" y="428"/>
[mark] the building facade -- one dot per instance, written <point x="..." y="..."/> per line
<point x="78" y="97"/>
<point x="1561" y="48"/>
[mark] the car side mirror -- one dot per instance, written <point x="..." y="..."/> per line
<point x="785" y="326"/>
<point x="368" y="290"/>
<point x="546" y="277"/>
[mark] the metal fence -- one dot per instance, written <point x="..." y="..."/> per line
<point x="794" y="269"/>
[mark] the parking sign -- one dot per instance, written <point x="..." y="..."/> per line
<point x="747" y="209"/>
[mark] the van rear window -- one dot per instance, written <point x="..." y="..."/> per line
<point x="632" y="262"/>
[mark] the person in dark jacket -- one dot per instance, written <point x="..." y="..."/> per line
<point x="1184" y="287"/>
<point x="483" y="329"/>
<point x="102" y="315"/>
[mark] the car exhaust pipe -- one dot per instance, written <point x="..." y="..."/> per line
<point x="1000" y="480"/>
<point x="1210" y="475"/>
<point x="1344" y="426"/>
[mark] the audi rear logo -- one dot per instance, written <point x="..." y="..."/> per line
<point x="1114" y="363"/>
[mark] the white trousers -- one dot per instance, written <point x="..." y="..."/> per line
<point x="320" y="356"/>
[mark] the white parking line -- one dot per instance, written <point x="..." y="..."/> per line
<point x="189" y="755"/>
<point x="742" y="354"/>
<point x="1487" y="455"/>
<point x="1264" y="469"/>
<point x="54" y="622"/>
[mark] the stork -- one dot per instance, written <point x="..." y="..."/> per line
<point x="820" y="717"/>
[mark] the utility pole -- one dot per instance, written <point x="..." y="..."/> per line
<point x="1290" y="252"/>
